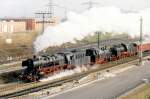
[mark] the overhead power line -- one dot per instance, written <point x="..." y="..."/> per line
<point x="51" y="5"/>
<point x="90" y="4"/>
<point x="43" y="15"/>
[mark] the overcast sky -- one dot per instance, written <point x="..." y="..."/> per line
<point x="19" y="8"/>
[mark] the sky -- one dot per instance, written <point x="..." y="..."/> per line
<point x="21" y="8"/>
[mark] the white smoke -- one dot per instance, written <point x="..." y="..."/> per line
<point x="105" y="19"/>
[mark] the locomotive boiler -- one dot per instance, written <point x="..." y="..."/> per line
<point x="47" y="65"/>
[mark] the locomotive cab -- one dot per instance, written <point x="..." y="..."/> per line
<point x="92" y="53"/>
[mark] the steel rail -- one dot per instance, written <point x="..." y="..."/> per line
<point x="37" y="86"/>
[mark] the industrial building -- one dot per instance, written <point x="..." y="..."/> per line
<point x="13" y="25"/>
<point x="16" y="25"/>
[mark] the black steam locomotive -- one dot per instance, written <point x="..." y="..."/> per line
<point x="46" y="65"/>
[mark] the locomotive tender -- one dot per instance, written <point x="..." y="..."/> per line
<point x="46" y="65"/>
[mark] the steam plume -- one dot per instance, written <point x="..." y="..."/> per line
<point x="105" y="19"/>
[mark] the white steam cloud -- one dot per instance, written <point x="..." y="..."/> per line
<point x="105" y="19"/>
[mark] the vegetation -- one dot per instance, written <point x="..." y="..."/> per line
<point x="140" y="93"/>
<point x="21" y="46"/>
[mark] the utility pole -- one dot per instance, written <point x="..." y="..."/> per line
<point x="98" y="39"/>
<point x="46" y="14"/>
<point x="43" y="15"/>
<point x="141" y="39"/>
<point x="51" y="9"/>
<point x="90" y="4"/>
<point x="50" y="6"/>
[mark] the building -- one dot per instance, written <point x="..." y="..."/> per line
<point x="17" y="25"/>
<point x="14" y="25"/>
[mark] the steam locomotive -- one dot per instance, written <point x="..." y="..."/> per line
<point x="46" y="65"/>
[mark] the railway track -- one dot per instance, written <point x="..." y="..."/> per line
<point x="25" y="88"/>
<point x="10" y="67"/>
